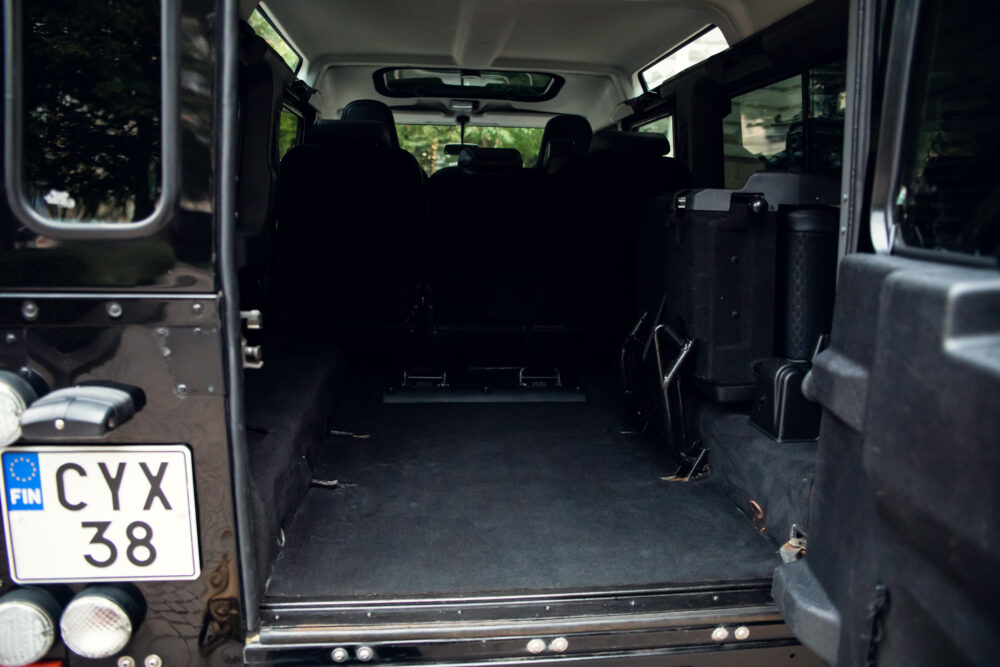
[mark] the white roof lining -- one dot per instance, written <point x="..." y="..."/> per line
<point x="613" y="39"/>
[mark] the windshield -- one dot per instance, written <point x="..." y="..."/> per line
<point x="427" y="142"/>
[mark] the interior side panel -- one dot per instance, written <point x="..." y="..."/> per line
<point x="907" y="462"/>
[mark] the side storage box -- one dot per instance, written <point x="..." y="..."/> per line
<point x="722" y="268"/>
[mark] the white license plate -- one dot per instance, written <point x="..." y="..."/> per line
<point x="100" y="513"/>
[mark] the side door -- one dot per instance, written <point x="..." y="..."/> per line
<point x="904" y="548"/>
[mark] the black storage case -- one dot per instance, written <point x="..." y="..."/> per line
<point x="807" y="278"/>
<point x="721" y="267"/>
<point x="779" y="408"/>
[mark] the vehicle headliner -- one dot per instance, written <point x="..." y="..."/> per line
<point x="598" y="45"/>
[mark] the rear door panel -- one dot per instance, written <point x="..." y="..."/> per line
<point x="905" y="500"/>
<point x="904" y="535"/>
<point x="165" y="339"/>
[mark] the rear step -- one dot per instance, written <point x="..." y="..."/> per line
<point x="463" y="629"/>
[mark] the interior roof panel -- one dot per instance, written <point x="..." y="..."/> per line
<point x="619" y="34"/>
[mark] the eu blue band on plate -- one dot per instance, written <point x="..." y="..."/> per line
<point x="23" y="481"/>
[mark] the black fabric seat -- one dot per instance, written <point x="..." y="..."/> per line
<point x="492" y="275"/>
<point x="564" y="139"/>
<point x="603" y="195"/>
<point x="373" y="111"/>
<point x="262" y="79"/>
<point x="349" y="235"/>
<point x="484" y="261"/>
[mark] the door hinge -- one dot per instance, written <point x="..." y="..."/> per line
<point x="252" y="354"/>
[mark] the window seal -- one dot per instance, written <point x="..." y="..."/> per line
<point x="169" y="137"/>
<point x="892" y="129"/>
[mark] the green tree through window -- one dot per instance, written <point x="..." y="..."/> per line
<point x="92" y="109"/>
<point x="264" y="29"/>
<point x="289" y="126"/>
<point x="427" y="142"/>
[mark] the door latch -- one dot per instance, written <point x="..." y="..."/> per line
<point x="252" y="354"/>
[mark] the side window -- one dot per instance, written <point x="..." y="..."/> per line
<point x="950" y="194"/>
<point x="289" y="131"/>
<point x="664" y="125"/>
<point x="701" y="47"/>
<point x="262" y="25"/>
<point x="91" y="126"/>
<point x="793" y="125"/>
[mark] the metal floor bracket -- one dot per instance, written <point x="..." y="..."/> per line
<point x="670" y="387"/>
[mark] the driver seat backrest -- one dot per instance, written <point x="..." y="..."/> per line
<point x="565" y="138"/>
<point x="373" y="111"/>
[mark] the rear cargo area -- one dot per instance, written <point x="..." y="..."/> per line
<point x="483" y="384"/>
<point x="447" y="493"/>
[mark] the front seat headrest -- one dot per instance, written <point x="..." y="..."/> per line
<point x="349" y="134"/>
<point x="571" y="133"/>
<point x="479" y="160"/>
<point x="630" y="144"/>
<point x="372" y="110"/>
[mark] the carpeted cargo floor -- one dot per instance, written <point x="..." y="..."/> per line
<point x="463" y="499"/>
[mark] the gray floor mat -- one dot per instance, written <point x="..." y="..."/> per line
<point x="470" y="499"/>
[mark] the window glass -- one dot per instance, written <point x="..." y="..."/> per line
<point x="700" y="48"/>
<point x="289" y="131"/>
<point x="757" y="129"/>
<point x="478" y="84"/>
<point x="951" y="173"/>
<point x="827" y="101"/>
<point x="262" y="26"/>
<point x="91" y="116"/>
<point x="767" y="130"/>
<point x="663" y="125"/>
<point x="427" y="142"/>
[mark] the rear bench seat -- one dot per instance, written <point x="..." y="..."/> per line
<point x="535" y="257"/>
<point x="487" y="257"/>
<point x="601" y="199"/>
<point x="512" y="255"/>
<point x="349" y="233"/>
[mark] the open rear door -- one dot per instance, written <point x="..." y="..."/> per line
<point x="904" y="550"/>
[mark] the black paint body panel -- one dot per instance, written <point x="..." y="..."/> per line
<point x="167" y="341"/>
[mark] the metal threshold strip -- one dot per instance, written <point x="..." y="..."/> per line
<point x="734" y="616"/>
<point x="278" y="614"/>
<point x="466" y="630"/>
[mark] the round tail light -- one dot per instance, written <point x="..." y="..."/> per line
<point x="28" y="618"/>
<point x="16" y="394"/>
<point x="100" y="620"/>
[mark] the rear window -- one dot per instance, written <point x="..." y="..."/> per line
<point x="427" y="142"/>
<point x="476" y="84"/>
<point x="91" y="114"/>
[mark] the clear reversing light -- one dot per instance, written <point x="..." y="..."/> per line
<point x="16" y="394"/>
<point x="100" y="620"/>
<point x="28" y="620"/>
